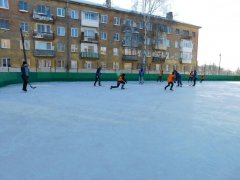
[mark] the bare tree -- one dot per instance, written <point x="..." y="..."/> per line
<point x="148" y="8"/>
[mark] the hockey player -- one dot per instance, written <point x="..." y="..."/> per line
<point x="98" y="76"/>
<point x="203" y="77"/>
<point x="24" y="75"/>
<point x="160" y="76"/>
<point x="170" y="80"/>
<point x="195" y="76"/>
<point x="121" y="80"/>
<point x="179" y="79"/>
<point x="141" y="76"/>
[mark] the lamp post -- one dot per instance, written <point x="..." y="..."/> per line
<point x="219" y="64"/>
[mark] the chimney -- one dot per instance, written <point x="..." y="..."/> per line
<point x="169" y="16"/>
<point x="108" y="3"/>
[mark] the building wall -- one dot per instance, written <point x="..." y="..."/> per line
<point x="15" y="54"/>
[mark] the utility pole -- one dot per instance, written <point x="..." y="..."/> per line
<point x="68" y="36"/>
<point x="23" y="45"/>
<point x="219" y="64"/>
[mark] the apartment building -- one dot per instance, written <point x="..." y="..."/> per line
<point x="65" y="35"/>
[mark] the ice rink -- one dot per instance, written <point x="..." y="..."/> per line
<point x="75" y="131"/>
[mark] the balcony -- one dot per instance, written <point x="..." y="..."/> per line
<point x="186" y="36"/>
<point x="89" y="55"/>
<point x="43" y="35"/>
<point x="89" y="39"/>
<point x="130" y="57"/>
<point x="44" y="53"/>
<point x="42" y="17"/>
<point x="160" y="47"/>
<point x="158" y="59"/>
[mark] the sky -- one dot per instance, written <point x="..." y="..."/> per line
<point x="219" y="32"/>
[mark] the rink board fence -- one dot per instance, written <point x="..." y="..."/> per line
<point x="7" y="78"/>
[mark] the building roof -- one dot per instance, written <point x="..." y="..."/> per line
<point x="116" y="8"/>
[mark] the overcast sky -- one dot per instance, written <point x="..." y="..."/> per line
<point x="220" y="24"/>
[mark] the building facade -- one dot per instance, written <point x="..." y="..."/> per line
<point x="64" y="35"/>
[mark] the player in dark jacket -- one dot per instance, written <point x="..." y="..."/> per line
<point x="24" y="75"/>
<point x="121" y="80"/>
<point x="98" y="76"/>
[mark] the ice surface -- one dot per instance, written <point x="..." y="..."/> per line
<point x="75" y="131"/>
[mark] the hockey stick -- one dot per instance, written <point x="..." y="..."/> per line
<point x="33" y="87"/>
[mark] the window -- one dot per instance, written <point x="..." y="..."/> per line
<point x="167" y="67"/>
<point x="42" y="9"/>
<point x="104" y="18"/>
<point x="24" y="27"/>
<point x="167" y="55"/>
<point x="89" y="33"/>
<point x="44" y="63"/>
<point x="60" y="63"/>
<point x="185" y="33"/>
<point x="141" y="25"/>
<point x="149" y="41"/>
<point x="74" y="64"/>
<point x="117" y="21"/>
<point x="176" y="44"/>
<point x="90" y="15"/>
<point x="193" y="34"/>
<point x="74" y="32"/>
<point x="60" y="12"/>
<point x="128" y="66"/>
<point x="115" y="65"/>
<point x="26" y="44"/>
<point x="5" y="43"/>
<point x="43" y="28"/>
<point x="158" y="67"/>
<point x="23" y="6"/>
<point x="74" y="48"/>
<point x="74" y="14"/>
<point x="5" y="62"/>
<point x="149" y="27"/>
<point x="169" y="30"/>
<point x="176" y="56"/>
<point x="116" y="37"/>
<point x="88" y="65"/>
<point x="103" y="35"/>
<point x="4" y="4"/>
<point x="61" y="31"/>
<point x="61" y="47"/>
<point x="168" y="43"/>
<point x="41" y="45"/>
<point x="4" y="24"/>
<point x="177" y="32"/>
<point x="115" y="51"/>
<point x="103" y="50"/>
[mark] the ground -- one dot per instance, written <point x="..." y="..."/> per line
<point x="75" y="131"/>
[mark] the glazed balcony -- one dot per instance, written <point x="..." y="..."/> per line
<point x="89" y="55"/>
<point x="130" y="57"/>
<point x="42" y="17"/>
<point x="44" y="53"/>
<point x="43" y="35"/>
<point x="158" y="59"/>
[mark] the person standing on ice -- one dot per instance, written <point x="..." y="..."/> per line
<point x="121" y="80"/>
<point x="141" y="76"/>
<point x="190" y="78"/>
<point x="203" y="77"/>
<point x="170" y="79"/>
<point x="179" y="79"/>
<point x="24" y="75"/>
<point x="195" y="76"/>
<point x="98" y="76"/>
<point x="160" y="76"/>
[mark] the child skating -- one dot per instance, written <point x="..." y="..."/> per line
<point x="170" y="80"/>
<point x="121" y="80"/>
